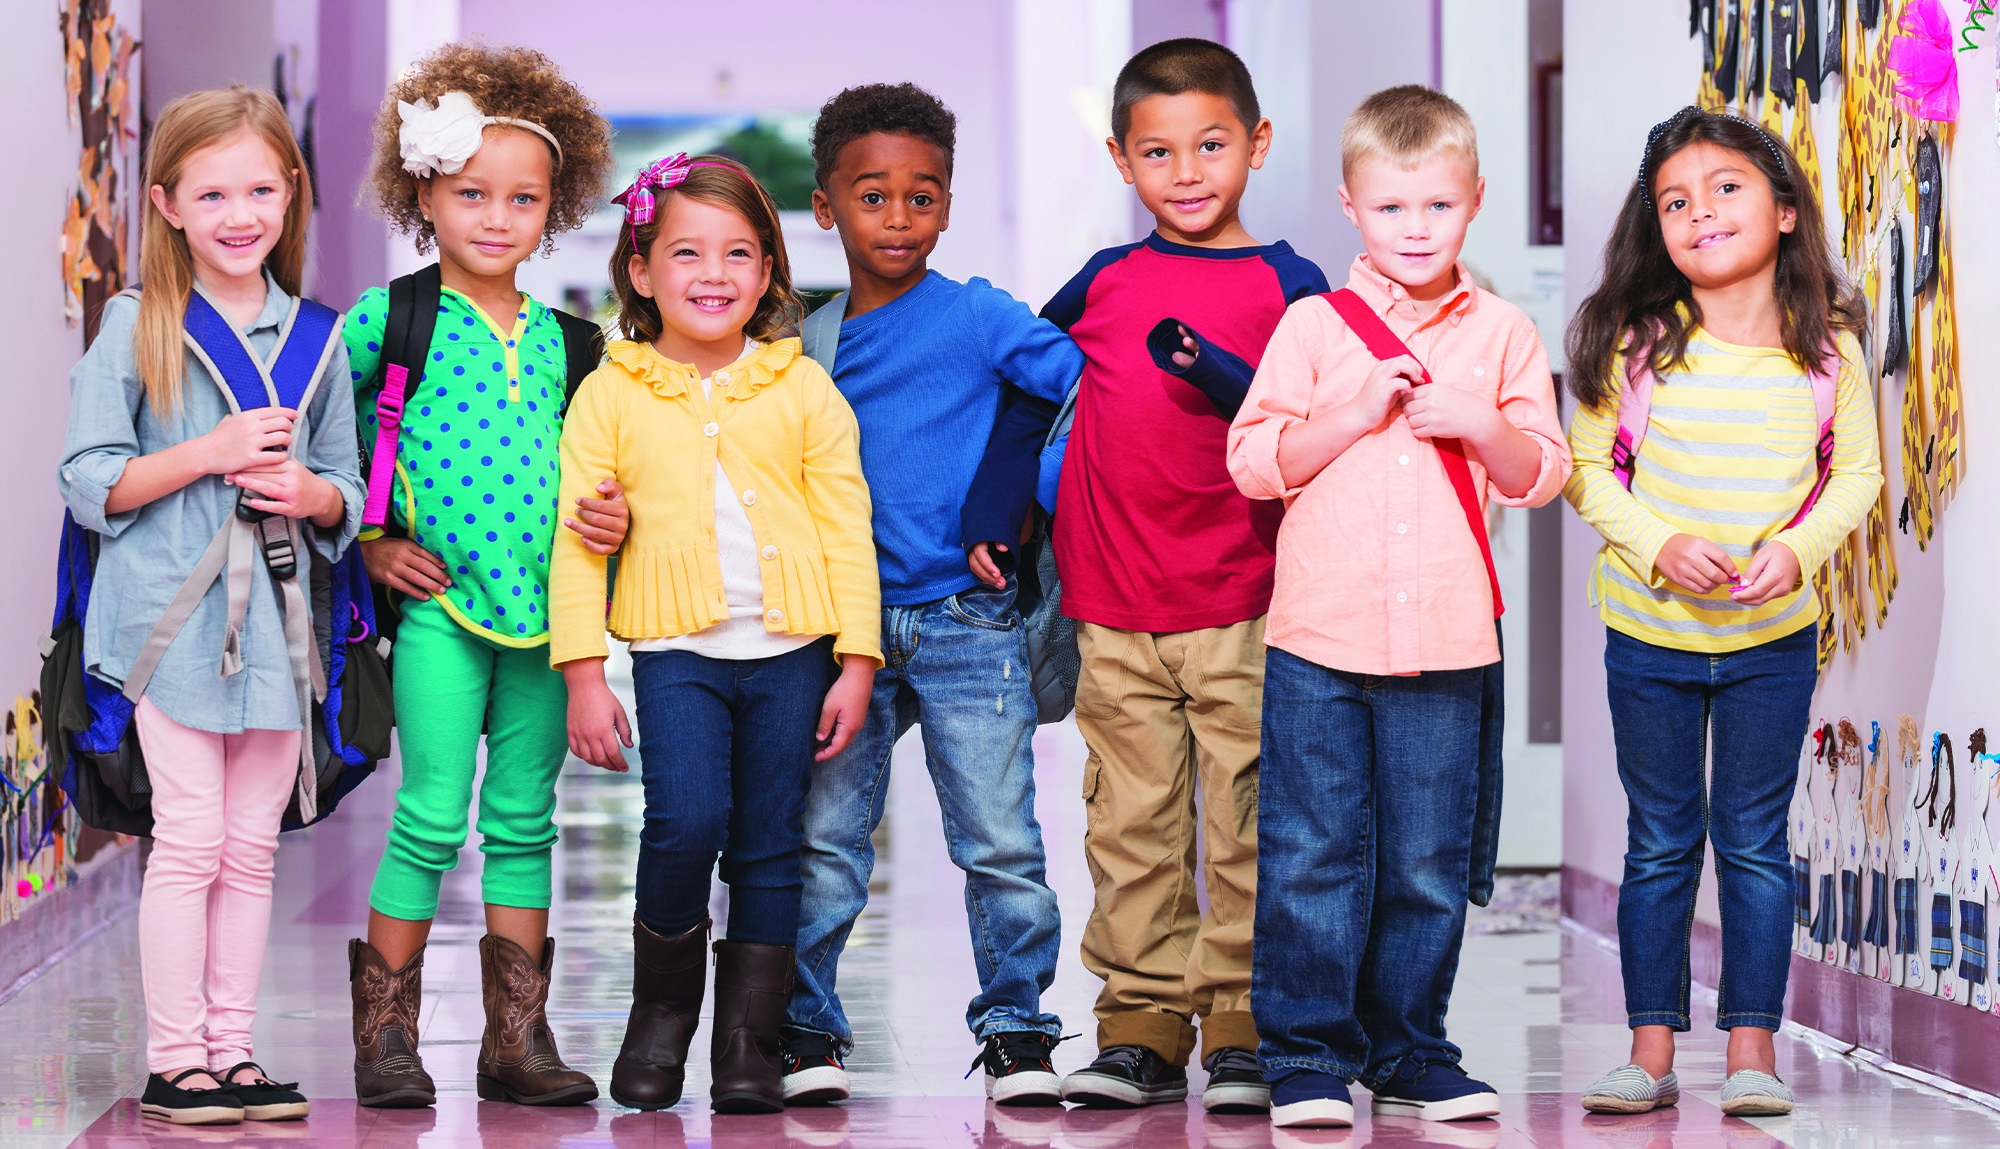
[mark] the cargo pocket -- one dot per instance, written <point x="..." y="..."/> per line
<point x="1245" y="796"/>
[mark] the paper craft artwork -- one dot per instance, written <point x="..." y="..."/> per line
<point x="1926" y="67"/>
<point x="1912" y="909"/>
<point x="1978" y="887"/>
<point x="99" y="54"/>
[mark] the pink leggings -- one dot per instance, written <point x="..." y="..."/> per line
<point x="206" y="906"/>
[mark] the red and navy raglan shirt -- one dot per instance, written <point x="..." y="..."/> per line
<point x="1153" y="534"/>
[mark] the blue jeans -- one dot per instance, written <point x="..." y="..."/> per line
<point x="725" y="750"/>
<point x="959" y="668"/>
<point x="1666" y="705"/>
<point x="1364" y="832"/>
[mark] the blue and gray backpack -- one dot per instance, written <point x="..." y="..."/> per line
<point x="339" y="661"/>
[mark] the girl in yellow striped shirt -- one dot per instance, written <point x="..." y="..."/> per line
<point x="1720" y="298"/>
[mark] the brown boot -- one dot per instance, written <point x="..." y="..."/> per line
<point x="518" y="1061"/>
<point x="668" y="975"/>
<point x="388" y="1074"/>
<point x="752" y="984"/>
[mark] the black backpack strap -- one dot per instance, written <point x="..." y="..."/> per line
<point x="413" y="306"/>
<point x="583" y="344"/>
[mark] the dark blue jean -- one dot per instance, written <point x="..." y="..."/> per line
<point x="726" y="749"/>
<point x="1666" y="707"/>
<point x="1364" y="832"/>
<point x="958" y="667"/>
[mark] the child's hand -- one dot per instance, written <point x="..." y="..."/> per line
<point x="603" y="522"/>
<point x="240" y="441"/>
<point x="1696" y="563"/>
<point x="846" y="707"/>
<point x="597" y="725"/>
<point x="1185" y="359"/>
<point x="1773" y="571"/>
<point x="980" y="559"/>
<point x="402" y="565"/>
<point x="1388" y="386"/>
<point x="1441" y="411"/>
<point x="287" y="487"/>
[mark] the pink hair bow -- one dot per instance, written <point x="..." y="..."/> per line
<point x="664" y="173"/>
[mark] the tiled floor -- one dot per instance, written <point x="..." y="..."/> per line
<point x="1536" y="1010"/>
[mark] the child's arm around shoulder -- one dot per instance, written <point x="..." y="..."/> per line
<point x="588" y="451"/>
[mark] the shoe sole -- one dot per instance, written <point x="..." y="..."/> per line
<point x="1102" y="1097"/>
<point x="820" y="1085"/>
<point x="1757" y="1107"/>
<point x="1028" y="1089"/>
<point x="646" y="1106"/>
<point x="491" y="1089"/>
<point x="746" y="1102"/>
<point x="1228" y="1099"/>
<point x="400" y="1099"/>
<point x="200" y="1115"/>
<point x="1318" y="1113"/>
<point x="1608" y="1103"/>
<point x="1472" y="1105"/>
<point x="281" y="1111"/>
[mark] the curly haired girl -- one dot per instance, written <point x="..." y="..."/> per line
<point x="484" y="154"/>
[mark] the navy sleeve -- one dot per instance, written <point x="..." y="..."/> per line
<point x="1003" y="489"/>
<point x="1298" y="276"/>
<point x="1066" y="306"/>
<point x="1221" y="375"/>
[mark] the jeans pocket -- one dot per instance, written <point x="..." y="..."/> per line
<point x="985" y="607"/>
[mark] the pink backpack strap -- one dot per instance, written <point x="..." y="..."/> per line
<point x="389" y="428"/>
<point x="1823" y="386"/>
<point x="1635" y="409"/>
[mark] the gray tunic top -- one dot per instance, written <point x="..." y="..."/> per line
<point x="147" y="552"/>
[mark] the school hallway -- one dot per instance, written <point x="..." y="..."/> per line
<point x="1536" y="1009"/>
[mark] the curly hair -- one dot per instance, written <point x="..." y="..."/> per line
<point x="899" y="109"/>
<point x="719" y="182"/>
<point x="516" y="82"/>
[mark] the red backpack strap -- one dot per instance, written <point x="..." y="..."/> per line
<point x="1823" y="387"/>
<point x="1383" y="344"/>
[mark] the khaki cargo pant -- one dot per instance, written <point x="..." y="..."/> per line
<point x="1172" y="724"/>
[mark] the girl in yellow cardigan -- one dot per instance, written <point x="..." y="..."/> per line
<point x="748" y="574"/>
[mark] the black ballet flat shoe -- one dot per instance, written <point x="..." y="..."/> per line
<point x="265" y="1100"/>
<point x="165" y="1100"/>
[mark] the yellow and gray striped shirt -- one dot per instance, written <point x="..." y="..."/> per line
<point x="1728" y="456"/>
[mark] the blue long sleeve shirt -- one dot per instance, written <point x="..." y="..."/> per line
<point x="924" y="375"/>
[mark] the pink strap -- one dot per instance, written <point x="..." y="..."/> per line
<point x="1823" y="394"/>
<point x="388" y="432"/>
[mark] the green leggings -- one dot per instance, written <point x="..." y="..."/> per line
<point x="450" y="684"/>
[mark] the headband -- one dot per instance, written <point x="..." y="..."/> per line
<point x="1661" y="129"/>
<point x="437" y="139"/>
<point x="665" y="173"/>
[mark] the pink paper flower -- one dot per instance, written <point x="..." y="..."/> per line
<point x="1925" y="66"/>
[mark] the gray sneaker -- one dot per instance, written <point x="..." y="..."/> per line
<point x="1750" y="1093"/>
<point x="1630" y="1089"/>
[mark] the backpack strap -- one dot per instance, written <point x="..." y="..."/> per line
<point x="1823" y="386"/>
<point x="1635" y="412"/>
<point x="820" y="333"/>
<point x="1383" y="344"/>
<point x="406" y="342"/>
<point x="583" y="344"/>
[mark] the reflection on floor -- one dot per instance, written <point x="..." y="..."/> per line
<point x="1536" y="1010"/>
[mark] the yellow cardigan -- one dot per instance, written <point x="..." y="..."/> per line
<point x="788" y="442"/>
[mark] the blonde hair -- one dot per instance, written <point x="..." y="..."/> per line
<point x="196" y="121"/>
<point x="1407" y="125"/>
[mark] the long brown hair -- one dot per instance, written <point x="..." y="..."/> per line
<point x="166" y="266"/>
<point x="1644" y="300"/>
<point x="719" y="182"/>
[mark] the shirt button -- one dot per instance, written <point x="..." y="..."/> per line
<point x="774" y="616"/>
<point x="722" y="378"/>
<point x="1478" y="372"/>
<point x="1403" y="460"/>
<point x="749" y="498"/>
<point x="770" y="552"/>
<point x="69" y="476"/>
<point x="1402" y="528"/>
<point x="1401" y="597"/>
<point x="710" y="429"/>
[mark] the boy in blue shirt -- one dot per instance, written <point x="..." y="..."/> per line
<point x="922" y="360"/>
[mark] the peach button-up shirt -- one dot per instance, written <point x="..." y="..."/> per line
<point x="1378" y="570"/>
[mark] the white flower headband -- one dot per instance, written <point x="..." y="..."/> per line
<point x="438" y="139"/>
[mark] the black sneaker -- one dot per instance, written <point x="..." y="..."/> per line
<point x="1018" y="1069"/>
<point x="165" y="1100"/>
<point x="1235" y="1083"/>
<point x="814" y="1074"/>
<point x="1124" y="1077"/>
<point x="264" y="1099"/>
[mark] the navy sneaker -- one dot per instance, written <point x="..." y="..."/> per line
<point x="1304" y="1098"/>
<point x="1430" y="1087"/>
<point x="1125" y="1077"/>
<point x="813" y="1073"/>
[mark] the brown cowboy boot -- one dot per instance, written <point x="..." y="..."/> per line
<point x="668" y="975"/>
<point x="518" y="1061"/>
<point x="752" y="984"/>
<point x="388" y="1074"/>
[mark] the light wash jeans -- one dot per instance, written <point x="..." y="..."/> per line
<point x="959" y="668"/>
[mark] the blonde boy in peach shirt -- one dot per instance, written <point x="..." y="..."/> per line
<point x="1381" y="625"/>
